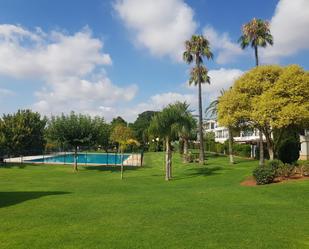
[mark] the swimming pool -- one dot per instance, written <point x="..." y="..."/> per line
<point x="82" y="158"/>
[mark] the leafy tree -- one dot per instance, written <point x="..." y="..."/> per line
<point x="196" y="49"/>
<point x="103" y="133"/>
<point x="141" y="125"/>
<point x="257" y="34"/>
<point x="268" y="98"/>
<point x="74" y="130"/>
<point x="118" y="121"/>
<point x="22" y="133"/>
<point x="165" y="125"/>
<point x="123" y="136"/>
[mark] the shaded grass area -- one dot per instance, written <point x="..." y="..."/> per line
<point x="202" y="207"/>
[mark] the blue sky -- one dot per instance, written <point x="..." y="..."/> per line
<point x="122" y="57"/>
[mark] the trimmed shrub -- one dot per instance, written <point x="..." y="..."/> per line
<point x="264" y="175"/>
<point x="288" y="152"/>
<point x="243" y="150"/>
<point x="219" y="148"/>
<point x="289" y="146"/>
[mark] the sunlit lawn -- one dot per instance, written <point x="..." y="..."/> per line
<point x="203" y="207"/>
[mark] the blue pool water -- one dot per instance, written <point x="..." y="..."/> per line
<point x="83" y="158"/>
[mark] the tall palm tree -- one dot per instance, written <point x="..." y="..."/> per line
<point x="197" y="48"/>
<point x="212" y="111"/>
<point x="165" y="124"/>
<point x="257" y="34"/>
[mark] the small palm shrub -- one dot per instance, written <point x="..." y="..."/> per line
<point x="283" y="170"/>
<point x="302" y="167"/>
<point x="287" y="170"/>
<point x="276" y="166"/>
<point x="305" y="170"/>
<point x="264" y="175"/>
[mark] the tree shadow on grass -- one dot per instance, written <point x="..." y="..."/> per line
<point x="111" y="168"/>
<point x="14" y="165"/>
<point x="13" y="198"/>
<point x="201" y="171"/>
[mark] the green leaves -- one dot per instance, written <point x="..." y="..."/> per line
<point x="171" y="120"/>
<point x="123" y="135"/>
<point x="268" y="96"/>
<point x="199" y="74"/>
<point x="197" y="48"/>
<point x="75" y="129"/>
<point x="22" y="133"/>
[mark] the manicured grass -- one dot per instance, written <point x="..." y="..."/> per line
<point x="203" y="207"/>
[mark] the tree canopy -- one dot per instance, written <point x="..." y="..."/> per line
<point x="141" y="125"/>
<point x="123" y="135"/>
<point x="22" y="133"/>
<point x="118" y="121"/>
<point x="267" y="98"/>
<point x="74" y="130"/>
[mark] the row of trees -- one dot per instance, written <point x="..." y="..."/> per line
<point x="27" y="133"/>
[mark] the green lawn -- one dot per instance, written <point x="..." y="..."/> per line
<point x="203" y="207"/>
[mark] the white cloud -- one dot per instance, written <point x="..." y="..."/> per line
<point x="156" y="103"/>
<point x="82" y="95"/>
<point x="226" y="50"/>
<point x="221" y="78"/>
<point x="66" y="64"/>
<point x="161" y="26"/>
<point x="289" y="27"/>
<point x="47" y="56"/>
<point x="5" y="92"/>
<point x="164" y="99"/>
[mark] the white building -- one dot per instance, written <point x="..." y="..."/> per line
<point x="221" y="135"/>
<point x="251" y="137"/>
<point x="304" y="146"/>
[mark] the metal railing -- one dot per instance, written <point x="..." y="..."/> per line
<point x="84" y="158"/>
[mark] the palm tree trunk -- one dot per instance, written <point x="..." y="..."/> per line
<point x="168" y="160"/>
<point x="231" y="146"/>
<point x="185" y="150"/>
<point x="200" y="125"/>
<point x="75" y="159"/>
<point x="261" y="162"/>
<point x="256" y="55"/>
